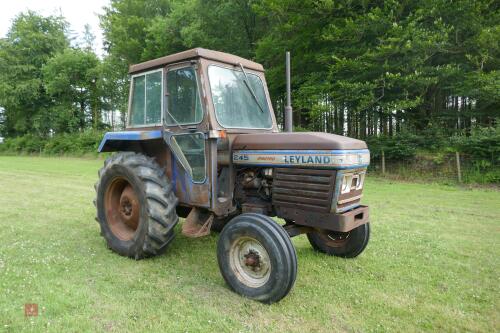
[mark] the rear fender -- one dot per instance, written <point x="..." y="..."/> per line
<point x="155" y="143"/>
<point x="127" y="140"/>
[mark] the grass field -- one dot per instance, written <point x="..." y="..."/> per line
<point x="433" y="264"/>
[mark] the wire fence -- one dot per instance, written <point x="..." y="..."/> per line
<point x="448" y="167"/>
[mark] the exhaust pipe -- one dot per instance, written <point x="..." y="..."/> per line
<point x="288" y="106"/>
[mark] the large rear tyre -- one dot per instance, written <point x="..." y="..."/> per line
<point x="341" y="244"/>
<point x="257" y="258"/>
<point x="136" y="206"/>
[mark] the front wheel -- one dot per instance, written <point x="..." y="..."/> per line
<point x="341" y="244"/>
<point x="257" y="258"/>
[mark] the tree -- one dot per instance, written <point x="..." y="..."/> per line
<point x="88" y="39"/>
<point x="370" y="67"/>
<point x="113" y="85"/>
<point x="71" y="80"/>
<point x="360" y="68"/>
<point x="31" y="41"/>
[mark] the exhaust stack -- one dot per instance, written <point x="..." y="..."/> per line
<point x="288" y="106"/>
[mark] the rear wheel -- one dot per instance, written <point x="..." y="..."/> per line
<point x="341" y="244"/>
<point x="135" y="206"/>
<point x="257" y="258"/>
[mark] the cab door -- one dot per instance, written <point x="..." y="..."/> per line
<point x="185" y="132"/>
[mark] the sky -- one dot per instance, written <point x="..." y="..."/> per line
<point x="77" y="13"/>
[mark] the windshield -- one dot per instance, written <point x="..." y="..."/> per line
<point x="235" y="107"/>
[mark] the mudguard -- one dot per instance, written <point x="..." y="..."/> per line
<point x="120" y="141"/>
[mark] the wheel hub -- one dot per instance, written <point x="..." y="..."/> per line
<point x="126" y="207"/>
<point x="250" y="262"/>
<point x="122" y="209"/>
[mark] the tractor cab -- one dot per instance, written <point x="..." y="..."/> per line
<point x="196" y="101"/>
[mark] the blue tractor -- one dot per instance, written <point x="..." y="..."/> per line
<point x="201" y="143"/>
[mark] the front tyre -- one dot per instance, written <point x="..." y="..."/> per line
<point x="136" y="206"/>
<point x="256" y="258"/>
<point x="341" y="244"/>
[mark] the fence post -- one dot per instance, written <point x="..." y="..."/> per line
<point x="383" y="162"/>
<point x="459" y="170"/>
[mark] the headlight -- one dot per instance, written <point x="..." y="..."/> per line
<point x="352" y="181"/>
<point x="346" y="183"/>
<point x="361" y="180"/>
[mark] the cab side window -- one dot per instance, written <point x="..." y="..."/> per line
<point x="192" y="146"/>
<point x="184" y="105"/>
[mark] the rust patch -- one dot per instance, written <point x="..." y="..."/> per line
<point x="328" y="221"/>
<point x="122" y="209"/>
<point x="200" y="194"/>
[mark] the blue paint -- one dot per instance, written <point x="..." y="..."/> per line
<point x="357" y="166"/>
<point x="179" y="176"/>
<point x="174" y="171"/>
<point x="301" y="158"/>
<point x="299" y="152"/>
<point x="129" y="136"/>
<point x="183" y="185"/>
<point x="338" y="185"/>
<point x="347" y="208"/>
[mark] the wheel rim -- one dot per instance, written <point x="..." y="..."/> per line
<point x="122" y="209"/>
<point x="336" y="239"/>
<point x="250" y="262"/>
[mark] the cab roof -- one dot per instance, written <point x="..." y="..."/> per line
<point x="195" y="54"/>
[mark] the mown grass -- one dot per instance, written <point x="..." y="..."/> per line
<point x="432" y="265"/>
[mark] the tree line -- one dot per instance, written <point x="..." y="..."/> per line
<point x="359" y="68"/>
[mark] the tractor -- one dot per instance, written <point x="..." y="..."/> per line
<point x="202" y="143"/>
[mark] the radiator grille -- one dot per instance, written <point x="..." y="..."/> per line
<point x="306" y="189"/>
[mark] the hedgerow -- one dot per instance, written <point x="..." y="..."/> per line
<point x="77" y="144"/>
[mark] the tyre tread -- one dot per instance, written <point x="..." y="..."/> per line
<point x="161" y="201"/>
<point x="266" y="225"/>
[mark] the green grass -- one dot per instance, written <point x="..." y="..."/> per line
<point x="432" y="265"/>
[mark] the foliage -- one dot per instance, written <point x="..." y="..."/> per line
<point x="483" y="148"/>
<point x="46" y="86"/>
<point x="71" y="79"/>
<point x="376" y="66"/>
<point x="31" y="41"/>
<point x="406" y="76"/>
<point x="402" y="146"/>
<point x="74" y="144"/>
<point x="23" y="144"/>
<point x="114" y="88"/>
<point x="482" y="143"/>
<point x="432" y="156"/>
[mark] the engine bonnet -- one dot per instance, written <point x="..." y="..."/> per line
<point x="296" y="140"/>
<point x="300" y="149"/>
